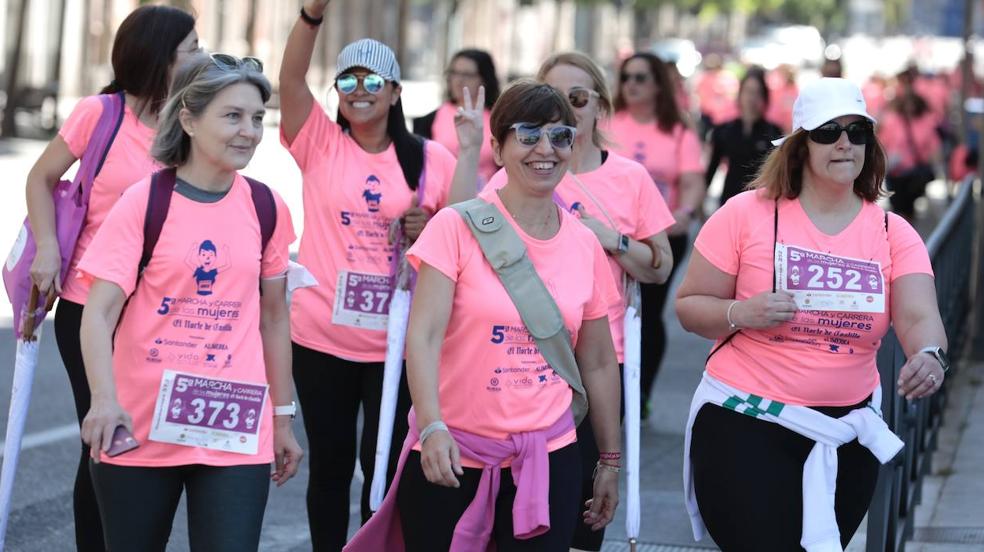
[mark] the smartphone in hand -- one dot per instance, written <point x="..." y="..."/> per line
<point x="123" y="441"/>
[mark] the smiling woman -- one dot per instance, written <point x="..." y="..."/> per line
<point x="195" y="233"/>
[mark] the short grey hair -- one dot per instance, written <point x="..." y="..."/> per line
<point x="195" y="85"/>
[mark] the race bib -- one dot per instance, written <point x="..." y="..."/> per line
<point x="362" y="300"/>
<point x="195" y="411"/>
<point x="820" y="281"/>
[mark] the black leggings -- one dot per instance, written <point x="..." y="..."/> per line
<point x="748" y="478"/>
<point x="88" y="531"/>
<point x="225" y="505"/>
<point x="429" y="512"/>
<point x="653" y="328"/>
<point x="331" y="390"/>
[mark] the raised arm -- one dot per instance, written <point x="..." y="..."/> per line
<point x="296" y="99"/>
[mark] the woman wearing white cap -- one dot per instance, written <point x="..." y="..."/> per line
<point x="362" y="175"/>
<point x="796" y="355"/>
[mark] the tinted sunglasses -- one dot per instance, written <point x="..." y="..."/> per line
<point x="528" y="135"/>
<point x="579" y="97"/>
<point x="638" y="78"/>
<point x="371" y="83"/>
<point x="231" y="63"/>
<point x="858" y="132"/>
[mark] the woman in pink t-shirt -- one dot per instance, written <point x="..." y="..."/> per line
<point x="798" y="280"/>
<point x="476" y="372"/>
<point x="188" y="348"/>
<point x="149" y="44"/>
<point x="649" y="128"/>
<point x="469" y="68"/>
<point x="363" y="176"/>
<point x="615" y="198"/>
<point x="912" y="145"/>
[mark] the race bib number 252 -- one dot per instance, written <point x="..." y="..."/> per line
<point x="820" y="281"/>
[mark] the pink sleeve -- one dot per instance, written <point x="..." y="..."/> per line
<point x="318" y="134"/>
<point x="80" y="124"/>
<point x="440" y="172"/>
<point x="605" y="293"/>
<point x="909" y="254"/>
<point x="653" y="215"/>
<point x="439" y="245"/>
<point x="115" y="251"/>
<point x="718" y="240"/>
<point x="277" y="253"/>
<point x="690" y="152"/>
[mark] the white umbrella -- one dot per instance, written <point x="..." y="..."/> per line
<point x="631" y="383"/>
<point x="396" y="339"/>
<point x="20" y="399"/>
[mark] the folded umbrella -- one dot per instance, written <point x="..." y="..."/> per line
<point x="631" y="384"/>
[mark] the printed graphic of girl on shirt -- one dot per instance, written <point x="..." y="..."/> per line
<point x="371" y="194"/>
<point x="205" y="264"/>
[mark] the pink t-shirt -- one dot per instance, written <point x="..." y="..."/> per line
<point x="128" y="161"/>
<point x="781" y="100"/>
<point x="627" y="194"/>
<point x="820" y="358"/>
<point x="351" y="198"/>
<point x="665" y="156"/>
<point x="445" y="134"/>
<point x="493" y="381"/>
<point x="717" y="93"/>
<point x="894" y="138"/>
<point x="195" y="311"/>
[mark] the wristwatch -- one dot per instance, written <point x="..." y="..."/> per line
<point x="940" y="355"/>
<point x="623" y="245"/>
<point x="286" y="410"/>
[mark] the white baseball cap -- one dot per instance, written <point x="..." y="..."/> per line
<point x="826" y="99"/>
<point x="371" y="54"/>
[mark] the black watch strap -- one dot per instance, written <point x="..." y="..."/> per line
<point x="313" y="21"/>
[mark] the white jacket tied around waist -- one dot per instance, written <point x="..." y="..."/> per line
<point x="820" y="532"/>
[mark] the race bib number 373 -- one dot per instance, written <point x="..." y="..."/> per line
<point x="820" y="281"/>
<point x="197" y="411"/>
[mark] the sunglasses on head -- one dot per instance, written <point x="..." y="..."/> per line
<point x="579" y="97"/>
<point x="858" y="132"/>
<point x="371" y="83"/>
<point x="231" y="63"/>
<point x="560" y="137"/>
<point x="638" y="78"/>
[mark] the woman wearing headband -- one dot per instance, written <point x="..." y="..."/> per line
<point x="363" y="175"/>
<point x="798" y="280"/>
<point x="199" y="370"/>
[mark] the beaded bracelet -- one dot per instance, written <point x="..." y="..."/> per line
<point x="610" y="455"/>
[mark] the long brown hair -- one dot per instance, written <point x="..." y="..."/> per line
<point x="781" y="175"/>
<point x="665" y="105"/>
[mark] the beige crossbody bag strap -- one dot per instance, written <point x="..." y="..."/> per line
<point x="505" y="251"/>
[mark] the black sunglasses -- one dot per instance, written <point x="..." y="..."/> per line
<point x="579" y="97"/>
<point x="639" y="78"/>
<point x="858" y="132"/>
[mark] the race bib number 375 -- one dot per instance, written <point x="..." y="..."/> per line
<point x="219" y="414"/>
<point x="820" y="281"/>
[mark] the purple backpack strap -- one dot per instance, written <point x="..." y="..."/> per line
<point x="158" y="203"/>
<point x="266" y="210"/>
<point x="99" y="143"/>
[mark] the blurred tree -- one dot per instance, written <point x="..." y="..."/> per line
<point x="12" y="87"/>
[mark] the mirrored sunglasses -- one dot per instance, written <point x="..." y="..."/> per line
<point x="858" y="132"/>
<point x="371" y="83"/>
<point x="560" y="137"/>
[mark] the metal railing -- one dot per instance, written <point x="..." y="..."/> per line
<point x="899" y="488"/>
